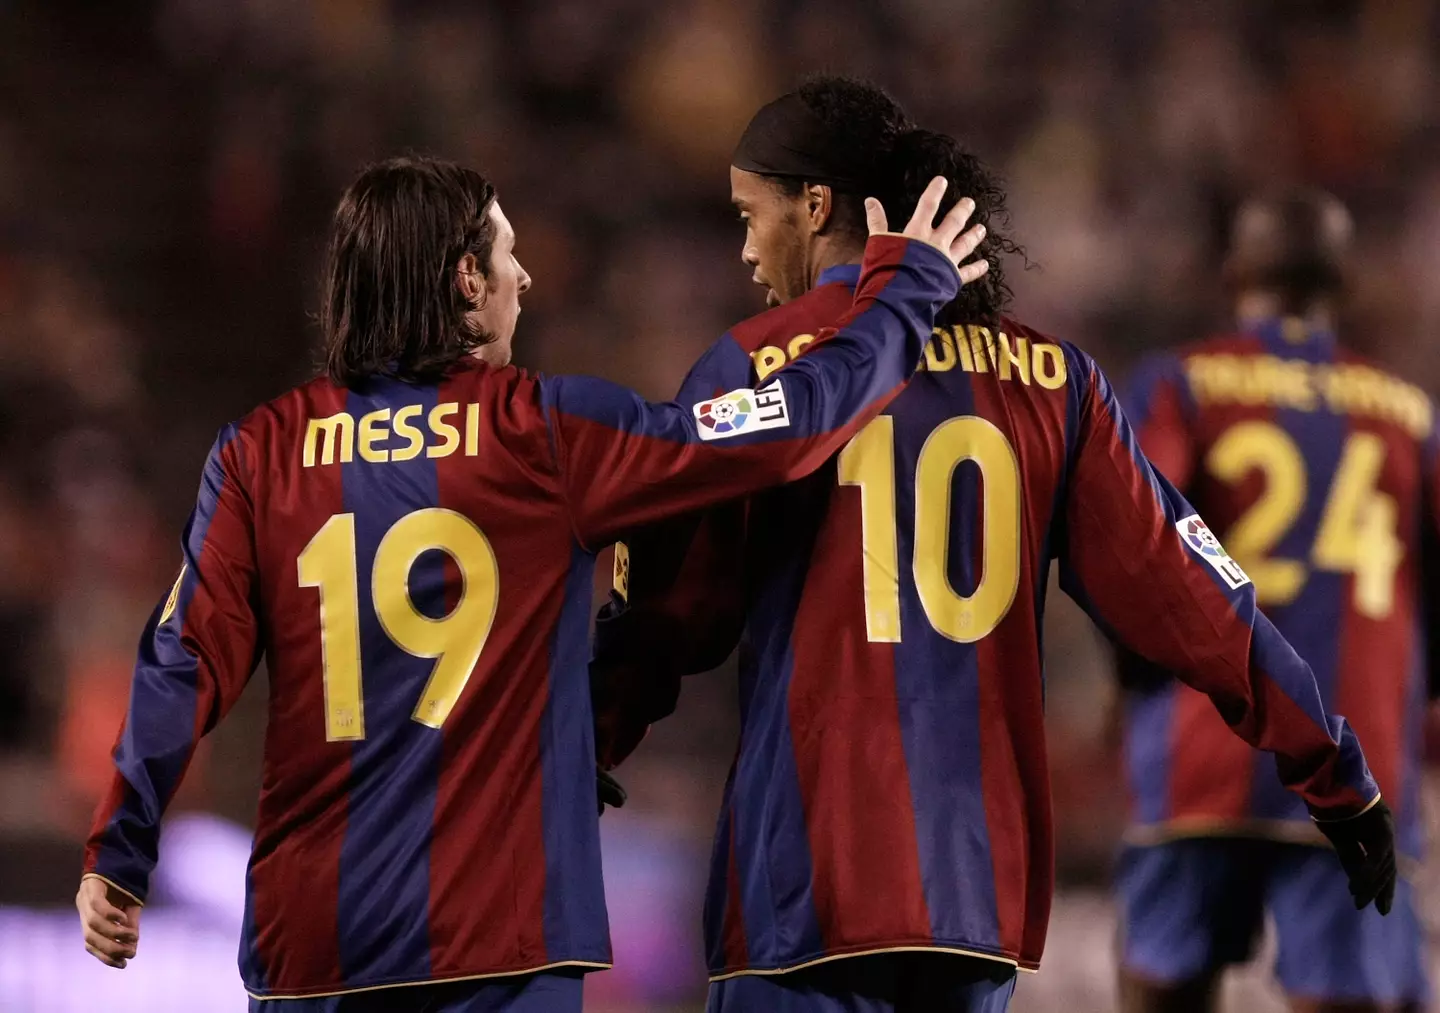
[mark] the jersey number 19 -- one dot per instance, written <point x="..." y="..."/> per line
<point x="455" y="641"/>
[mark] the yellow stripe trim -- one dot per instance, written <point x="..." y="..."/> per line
<point x="1284" y="831"/>
<point x="437" y="981"/>
<point x="1289" y="831"/>
<point x="1372" y="804"/>
<point x="956" y="951"/>
<point x="113" y="885"/>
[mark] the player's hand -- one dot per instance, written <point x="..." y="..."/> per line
<point x="1366" y="846"/>
<point x="110" y="921"/>
<point x="947" y="236"/>
<point x="607" y="791"/>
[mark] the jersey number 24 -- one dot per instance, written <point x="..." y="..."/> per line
<point x="1357" y="526"/>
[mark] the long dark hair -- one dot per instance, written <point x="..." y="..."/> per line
<point x="882" y="143"/>
<point x="391" y="306"/>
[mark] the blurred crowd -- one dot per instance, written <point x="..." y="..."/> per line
<point x="167" y="170"/>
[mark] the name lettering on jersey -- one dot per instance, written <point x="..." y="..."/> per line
<point x="1202" y="541"/>
<point x="742" y="411"/>
<point x="1342" y="388"/>
<point x="385" y="435"/>
<point x="974" y="349"/>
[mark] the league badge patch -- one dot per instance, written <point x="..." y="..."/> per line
<point x="1202" y="540"/>
<point x="742" y="411"/>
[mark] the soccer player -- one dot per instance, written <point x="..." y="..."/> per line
<point x="1319" y="472"/>
<point x="409" y="541"/>
<point x="885" y="841"/>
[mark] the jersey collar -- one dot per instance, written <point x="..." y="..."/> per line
<point x="847" y="273"/>
<point x="1290" y="334"/>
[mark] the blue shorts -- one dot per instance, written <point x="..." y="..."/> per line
<point x="1190" y="907"/>
<point x="552" y="992"/>
<point x="873" y="983"/>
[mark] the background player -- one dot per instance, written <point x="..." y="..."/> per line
<point x="890" y="792"/>
<point x="408" y="541"/>
<point x="1318" y="471"/>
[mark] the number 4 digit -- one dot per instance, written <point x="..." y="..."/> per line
<point x="1357" y="531"/>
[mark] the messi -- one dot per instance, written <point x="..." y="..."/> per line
<point x="339" y="435"/>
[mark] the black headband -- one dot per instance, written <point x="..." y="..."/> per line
<point x="785" y="138"/>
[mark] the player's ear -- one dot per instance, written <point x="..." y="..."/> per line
<point x="470" y="280"/>
<point x="819" y="205"/>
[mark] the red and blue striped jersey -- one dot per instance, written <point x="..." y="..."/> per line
<point x="890" y="789"/>
<point x="414" y="564"/>
<point x="1319" y="471"/>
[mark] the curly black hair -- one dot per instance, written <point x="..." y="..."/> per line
<point x="886" y="146"/>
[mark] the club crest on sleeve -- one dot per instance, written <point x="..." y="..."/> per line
<point x="742" y="411"/>
<point x="1202" y="541"/>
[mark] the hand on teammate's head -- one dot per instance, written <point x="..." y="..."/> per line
<point x="946" y="236"/>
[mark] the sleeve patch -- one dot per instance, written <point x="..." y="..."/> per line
<point x="742" y="411"/>
<point x="1202" y="541"/>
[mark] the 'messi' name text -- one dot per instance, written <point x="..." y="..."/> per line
<point x="399" y="435"/>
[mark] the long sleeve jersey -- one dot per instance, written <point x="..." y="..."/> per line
<point x="414" y="564"/>
<point x="1320" y="472"/>
<point x="890" y="787"/>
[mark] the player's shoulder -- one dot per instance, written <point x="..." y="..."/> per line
<point x="1055" y="363"/>
<point x="1362" y="385"/>
<point x="1347" y="356"/>
<point x="781" y="326"/>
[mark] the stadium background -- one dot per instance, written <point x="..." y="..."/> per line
<point x="166" y="174"/>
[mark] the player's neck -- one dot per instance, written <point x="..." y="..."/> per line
<point x="1256" y="307"/>
<point x="833" y="252"/>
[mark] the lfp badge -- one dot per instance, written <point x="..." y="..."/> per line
<point x="742" y="411"/>
<point x="727" y="414"/>
<point x="1202" y="540"/>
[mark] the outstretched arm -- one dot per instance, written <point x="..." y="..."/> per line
<point x="1140" y="560"/>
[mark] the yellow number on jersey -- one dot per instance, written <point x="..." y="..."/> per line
<point x="455" y="641"/>
<point x="1266" y="446"/>
<point x="869" y="462"/>
<point x="328" y="563"/>
<point x="1357" y="529"/>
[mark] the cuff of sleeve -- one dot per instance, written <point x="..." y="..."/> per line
<point x="1341" y="819"/>
<point x="113" y="885"/>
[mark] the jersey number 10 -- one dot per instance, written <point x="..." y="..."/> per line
<point x="1357" y="527"/>
<point x="455" y="641"/>
<point x="868" y="461"/>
